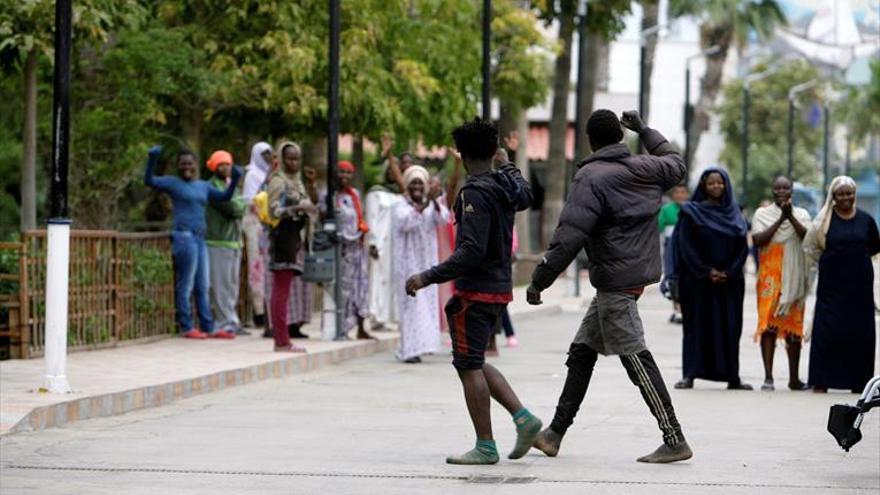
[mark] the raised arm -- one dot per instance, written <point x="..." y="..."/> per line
<point x="151" y="180"/>
<point x="665" y="165"/>
<point x="235" y="208"/>
<point x="577" y="221"/>
<point x="225" y="195"/>
<point x="452" y="181"/>
<point x="523" y="195"/>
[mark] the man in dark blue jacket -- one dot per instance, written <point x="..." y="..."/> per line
<point x="611" y="212"/>
<point x="480" y="266"/>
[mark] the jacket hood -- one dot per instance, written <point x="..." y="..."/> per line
<point x="610" y="153"/>
<point x="500" y="185"/>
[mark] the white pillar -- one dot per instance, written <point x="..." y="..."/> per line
<point x="57" y="275"/>
<point x="328" y="314"/>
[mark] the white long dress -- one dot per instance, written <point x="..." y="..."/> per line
<point x="415" y="250"/>
<point x="379" y="212"/>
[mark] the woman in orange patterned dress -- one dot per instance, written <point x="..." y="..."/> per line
<point x="778" y="231"/>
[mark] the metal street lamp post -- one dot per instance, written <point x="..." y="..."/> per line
<point x="58" y="228"/>
<point x="332" y="158"/>
<point x="744" y="146"/>
<point x="688" y="112"/>
<point x="643" y="38"/>
<point x="792" y="95"/>
<point x="487" y="60"/>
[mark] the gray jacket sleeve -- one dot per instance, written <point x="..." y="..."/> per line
<point x="664" y="165"/>
<point x="577" y="221"/>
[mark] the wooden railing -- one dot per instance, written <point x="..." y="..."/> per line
<point x="121" y="290"/>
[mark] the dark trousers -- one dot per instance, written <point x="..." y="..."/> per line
<point x="642" y="371"/>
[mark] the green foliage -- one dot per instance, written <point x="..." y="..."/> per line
<point x="859" y="108"/>
<point x="211" y="74"/>
<point x="152" y="269"/>
<point x="768" y="124"/>
<point x="732" y="20"/>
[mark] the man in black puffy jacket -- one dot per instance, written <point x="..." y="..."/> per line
<point x="611" y="212"/>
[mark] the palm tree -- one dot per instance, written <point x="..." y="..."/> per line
<point x="724" y="23"/>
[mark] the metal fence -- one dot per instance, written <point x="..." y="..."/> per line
<point x="121" y="290"/>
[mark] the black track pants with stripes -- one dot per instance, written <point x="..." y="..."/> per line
<point x="642" y="371"/>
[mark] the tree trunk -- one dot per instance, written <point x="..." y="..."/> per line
<point x="315" y="154"/>
<point x="556" y="159"/>
<point x="523" y="230"/>
<point x="710" y="83"/>
<point x="357" y="157"/>
<point x="650" y="9"/>
<point x="589" y="50"/>
<point x="192" y="128"/>
<point x="28" y="213"/>
<point x="507" y="124"/>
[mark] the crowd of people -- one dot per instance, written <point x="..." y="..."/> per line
<point x="401" y="226"/>
<point x="706" y="252"/>
<point x="411" y="246"/>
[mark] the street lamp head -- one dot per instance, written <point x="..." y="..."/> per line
<point x="711" y="51"/>
<point x="659" y="30"/>
<point x="708" y="52"/>
<point x="800" y="88"/>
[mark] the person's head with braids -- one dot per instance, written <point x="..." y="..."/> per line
<point x="603" y="129"/>
<point x="477" y="142"/>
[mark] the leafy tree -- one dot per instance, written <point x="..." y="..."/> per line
<point x="768" y="145"/>
<point x="859" y="107"/>
<point x="26" y="36"/>
<point x="725" y="23"/>
<point x="604" y="19"/>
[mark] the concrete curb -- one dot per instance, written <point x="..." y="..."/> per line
<point x="117" y="403"/>
<point x="536" y="311"/>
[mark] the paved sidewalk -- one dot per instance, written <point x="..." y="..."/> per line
<point x="115" y="381"/>
<point x="376" y="426"/>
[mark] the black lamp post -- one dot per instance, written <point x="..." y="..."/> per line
<point x="643" y="83"/>
<point x="487" y="60"/>
<point x="58" y="228"/>
<point x="332" y="159"/>
<point x="744" y="145"/>
<point x="688" y="111"/>
<point x="792" y="96"/>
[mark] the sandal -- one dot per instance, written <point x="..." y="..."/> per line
<point x="290" y="348"/>
<point x="798" y="386"/>
<point x="685" y="383"/>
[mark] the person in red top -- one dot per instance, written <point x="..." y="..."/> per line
<point x="480" y="266"/>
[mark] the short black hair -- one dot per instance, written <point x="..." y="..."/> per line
<point x="185" y="152"/>
<point x="782" y="176"/>
<point x="603" y="128"/>
<point x="476" y="139"/>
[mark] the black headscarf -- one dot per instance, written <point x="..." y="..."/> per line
<point x="725" y="217"/>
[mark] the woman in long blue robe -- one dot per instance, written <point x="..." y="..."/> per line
<point x="710" y="251"/>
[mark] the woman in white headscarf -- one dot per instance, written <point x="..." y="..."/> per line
<point x="255" y="236"/>
<point x="778" y="231"/>
<point x="415" y="249"/>
<point x="843" y="239"/>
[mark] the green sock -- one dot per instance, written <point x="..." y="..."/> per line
<point x="522" y="416"/>
<point x="487" y="446"/>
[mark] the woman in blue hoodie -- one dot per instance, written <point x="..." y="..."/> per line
<point x="189" y="197"/>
